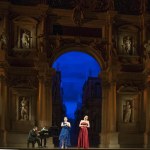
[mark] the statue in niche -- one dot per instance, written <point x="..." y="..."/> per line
<point x="3" y="41"/>
<point x="24" y="105"/>
<point x="127" y="111"/>
<point x="25" y="39"/>
<point x="147" y="49"/>
<point x="128" y="45"/>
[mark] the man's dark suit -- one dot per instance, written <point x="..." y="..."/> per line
<point x="33" y="137"/>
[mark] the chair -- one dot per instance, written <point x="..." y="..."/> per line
<point x="28" y="143"/>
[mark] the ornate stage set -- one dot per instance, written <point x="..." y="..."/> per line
<point x="34" y="34"/>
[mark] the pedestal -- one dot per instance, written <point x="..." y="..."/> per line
<point x="50" y="143"/>
<point x="109" y="140"/>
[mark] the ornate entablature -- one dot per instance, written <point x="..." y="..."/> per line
<point x="60" y="42"/>
<point x="125" y="7"/>
<point x="22" y="78"/>
<point x="96" y="5"/>
<point x="128" y="88"/>
<point x="23" y="81"/>
<point x="130" y="81"/>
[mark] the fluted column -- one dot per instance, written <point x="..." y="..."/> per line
<point x="44" y="103"/>
<point x="112" y="110"/>
<point x="3" y="110"/>
<point x="3" y="98"/>
<point x="146" y="97"/>
<point x="109" y="134"/>
<point x="41" y="103"/>
<point x="49" y="100"/>
<point x="104" y="120"/>
<point x="113" y="134"/>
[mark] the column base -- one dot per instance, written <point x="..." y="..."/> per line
<point x="43" y="124"/>
<point x="146" y="140"/>
<point x="3" y="137"/>
<point x="50" y="143"/>
<point x="109" y="140"/>
<point x="2" y="55"/>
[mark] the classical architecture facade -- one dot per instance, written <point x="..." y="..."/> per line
<point x="114" y="32"/>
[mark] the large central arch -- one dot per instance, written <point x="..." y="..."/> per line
<point x="82" y="48"/>
<point x="85" y="49"/>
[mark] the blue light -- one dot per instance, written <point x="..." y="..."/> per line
<point x="75" y="68"/>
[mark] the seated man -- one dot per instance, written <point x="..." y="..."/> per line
<point x="33" y="137"/>
<point x="44" y="135"/>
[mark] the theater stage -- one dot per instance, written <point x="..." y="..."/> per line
<point x="36" y="148"/>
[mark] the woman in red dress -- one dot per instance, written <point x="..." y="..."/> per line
<point x="83" y="140"/>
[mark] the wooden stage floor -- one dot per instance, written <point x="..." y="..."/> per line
<point x="17" y="148"/>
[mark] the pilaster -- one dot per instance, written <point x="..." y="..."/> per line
<point x="146" y="97"/>
<point x="109" y="134"/>
<point x="3" y="98"/>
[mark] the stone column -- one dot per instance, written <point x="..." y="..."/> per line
<point x="146" y="97"/>
<point x="113" y="134"/>
<point x="104" y="121"/>
<point x="3" y="110"/>
<point x="3" y="98"/>
<point x="41" y="103"/>
<point x="109" y="135"/>
<point x="48" y="90"/>
<point x="49" y="100"/>
<point x="44" y="104"/>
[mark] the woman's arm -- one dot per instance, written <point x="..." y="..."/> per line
<point x="68" y="124"/>
<point x="80" y="124"/>
<point x="88" y="124"/>
<point x="62" y="124"/>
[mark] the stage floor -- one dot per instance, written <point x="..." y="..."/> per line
<point x="36" y="148"/>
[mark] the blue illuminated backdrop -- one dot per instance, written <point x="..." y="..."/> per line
<point x="75" y="69"/>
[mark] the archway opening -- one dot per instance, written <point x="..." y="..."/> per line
<point x="77" y="92"/>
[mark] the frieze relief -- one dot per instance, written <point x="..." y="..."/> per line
<point x="90" y="5"/>
<point x="130" y="86"/>
<point x="127" y="88"/>
<point x="59" y="42"/>
<point x="23" y="81"/>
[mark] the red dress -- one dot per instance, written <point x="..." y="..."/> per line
<point x="83" y="140"/>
